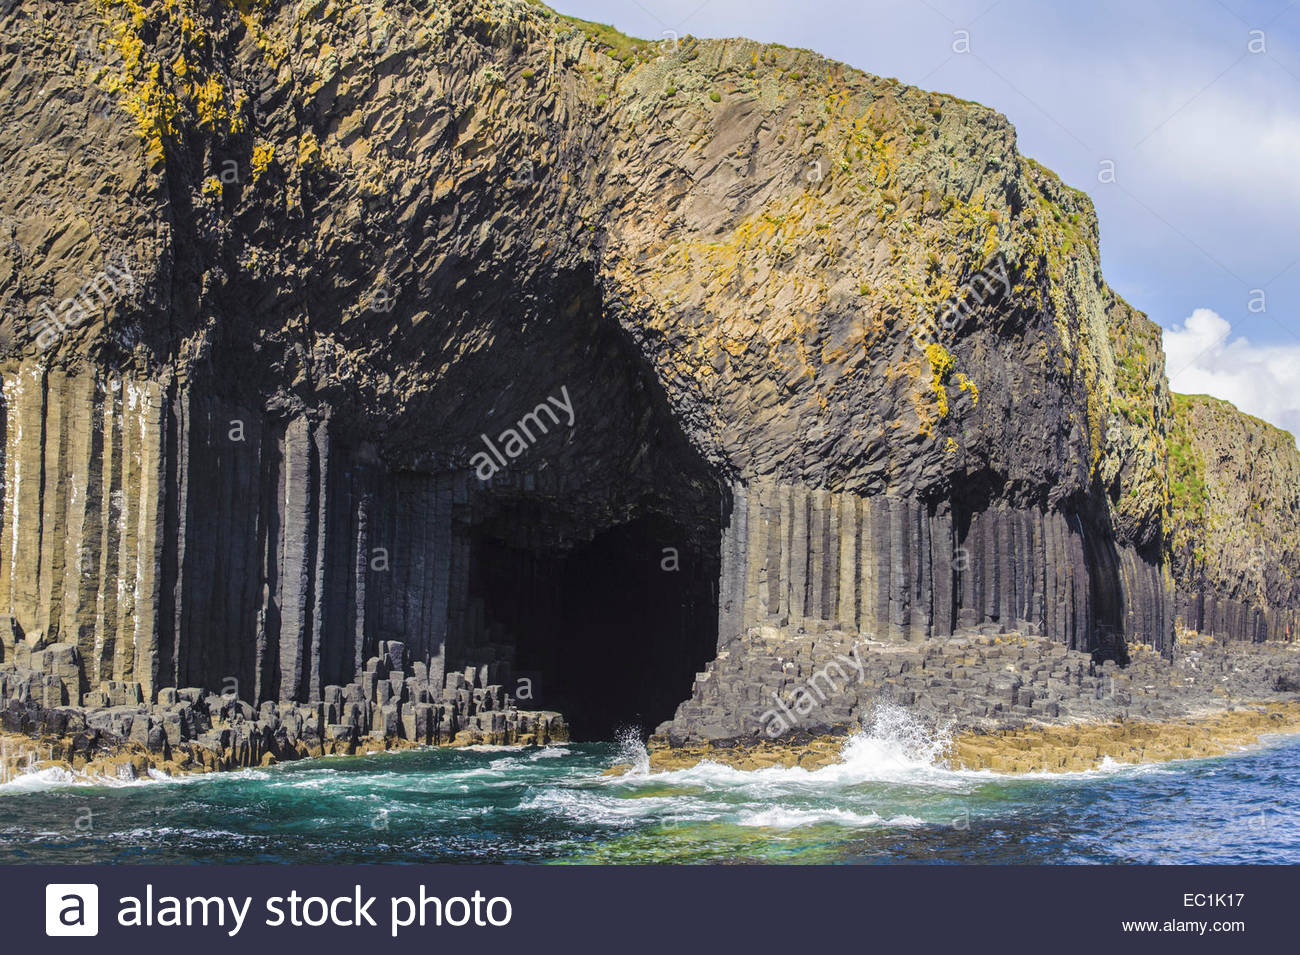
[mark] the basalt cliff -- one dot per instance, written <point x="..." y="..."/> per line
<point x="429" y="369"/>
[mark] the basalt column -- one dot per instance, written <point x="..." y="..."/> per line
<point x="298" y="555"/>
<point x="1229" y="618"/>
<point x="178" y="538"/>
<point x="81" y="551"/>
<point x="903" y="570"/>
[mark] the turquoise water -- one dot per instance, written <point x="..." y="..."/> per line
<point x="886" y="802"/>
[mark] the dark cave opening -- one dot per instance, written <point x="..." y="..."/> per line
<point x="589" y="560"/>
<point x="610" y="631"/>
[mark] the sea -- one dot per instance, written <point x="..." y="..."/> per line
<point x="890" y="800"/>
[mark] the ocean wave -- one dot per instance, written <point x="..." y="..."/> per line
<point x="895" y="747"/>
<point x="595" y="807"/>
<point x="59" y="777"/>
<point x="632" y="751"/>
<point x="787" y="817"/>
<point x="550" y="752"/>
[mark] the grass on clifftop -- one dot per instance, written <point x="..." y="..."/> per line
<point x="623" y="48"/>
<point x="620" y="45"/>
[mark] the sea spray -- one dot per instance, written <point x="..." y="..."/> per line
<point x="896" y="740"/>
<point x="632" y="750"/>
<point x="894" y="746"/>
<point x="35" y="778"/>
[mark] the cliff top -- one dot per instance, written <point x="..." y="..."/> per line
<point x="1231" y="412"/>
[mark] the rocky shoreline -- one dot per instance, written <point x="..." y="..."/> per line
<point x="787" y="684"/>
<point x="1008" y="702"/>
<point x="1040" y="749"/>
<point x="114" y="733"/>
<point x="1089" y="745"/>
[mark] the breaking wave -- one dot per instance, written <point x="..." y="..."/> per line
<point x="787" y="818"/>
<point x="895" y="746"/>
<point x="57" y="777"/>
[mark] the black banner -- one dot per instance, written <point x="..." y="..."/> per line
<point x="649" y="909"/>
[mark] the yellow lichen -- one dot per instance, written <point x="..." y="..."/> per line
<point x="215" y="109"/>
<point x="965" y="384"/>
<point x="263" y="155"/>
<point x="148" y="88"/>
<point x="941" y="364"/>
<point x="138" y="84"/>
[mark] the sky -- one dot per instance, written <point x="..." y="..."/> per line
<point x="1194" y="104"/>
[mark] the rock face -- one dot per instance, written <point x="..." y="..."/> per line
<point x="775" y="686"/>
<point x="532" y="346"/>
<point x="1235" y="529"/>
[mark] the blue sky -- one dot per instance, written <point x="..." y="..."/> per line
<point x="1197" y="104"/>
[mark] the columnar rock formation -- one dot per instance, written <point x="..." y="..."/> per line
<point x="83" y="519"/>
<point x="904" y="570"/>
<point x="528" y="345"/>
<point x="175" y="542"/>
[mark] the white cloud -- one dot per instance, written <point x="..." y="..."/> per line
<point x="1237" y="143"/>
<point x="1202" y="358"/>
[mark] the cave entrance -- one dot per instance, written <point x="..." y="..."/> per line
<point x="642" y="619"/>
<point x="610" y="631"/>
<point x="593" y="552"/>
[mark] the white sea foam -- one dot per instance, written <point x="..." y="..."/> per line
<point x="38" y="780"/>
<point x="550" y="752"/>
<point x="1107" y="767"/>
<point x="631" y="750"/>
<point x="593" y="806"/>
<point x="895" y="747"/>
<point x="790" y="817"/>
<point x="793" y="817"/>
<point x="59" y="777"/>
